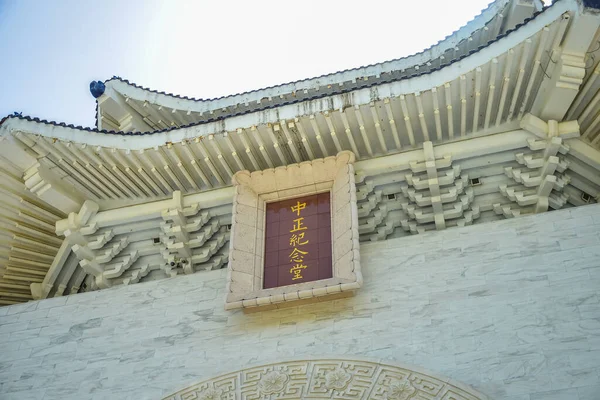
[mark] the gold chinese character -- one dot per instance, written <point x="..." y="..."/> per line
<point x="295" y="240"/>
<point x="298" y="225"/>
<point x="298" y="207"/>
<point x="297" y="256"/>
<point x="297" y="270"/>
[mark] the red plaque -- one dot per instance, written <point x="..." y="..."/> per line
<point x="298" y="241"/>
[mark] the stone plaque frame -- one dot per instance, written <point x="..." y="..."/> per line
<point x="247" y="245"/>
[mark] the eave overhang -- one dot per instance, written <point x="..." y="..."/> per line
<point x="372" y="90"/>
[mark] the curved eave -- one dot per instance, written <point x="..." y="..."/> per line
<point x="477" y="97"/>
<point x="184" y="103"/>
<point x="384" y="88"/>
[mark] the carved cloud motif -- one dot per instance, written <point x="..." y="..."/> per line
<point x="329" y="378"/>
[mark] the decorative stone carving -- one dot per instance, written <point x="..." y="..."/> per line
<point x="210" y="394"/>
<point x="272" y="382"/>
<point x="331" y="379"/>
<point x="246" y="257"/>
<point x="400" y="391"/>
<point x="337" y="379"/>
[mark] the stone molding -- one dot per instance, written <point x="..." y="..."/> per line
<point x="246" y="257"/>
<point x="331" y="379"/>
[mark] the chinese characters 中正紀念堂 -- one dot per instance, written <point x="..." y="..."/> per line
<point x="297" y="240"/>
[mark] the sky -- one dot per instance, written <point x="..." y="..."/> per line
<point x="51" y="50"/>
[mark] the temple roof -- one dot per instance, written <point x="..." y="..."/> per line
<point x="493" y="23"/>
<point x="507" y="108"/>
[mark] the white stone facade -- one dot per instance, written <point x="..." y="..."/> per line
<point x="510" y="308"/>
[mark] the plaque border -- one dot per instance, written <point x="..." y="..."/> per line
<point x="253" y="190"/>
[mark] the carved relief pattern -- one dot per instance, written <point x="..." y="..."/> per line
<point x="210" y="394"/>
<point x="337" y="379"/>
<point x="272" y="382"/>
<point x="332" y="379"/>
<point x="400" y="391"/>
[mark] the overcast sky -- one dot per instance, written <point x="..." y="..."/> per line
<point x="51" y="50"/>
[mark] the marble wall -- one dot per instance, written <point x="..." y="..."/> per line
<point x="511" y="308"/>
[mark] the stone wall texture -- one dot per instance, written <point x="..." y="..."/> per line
<point x="511" y="308"/>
